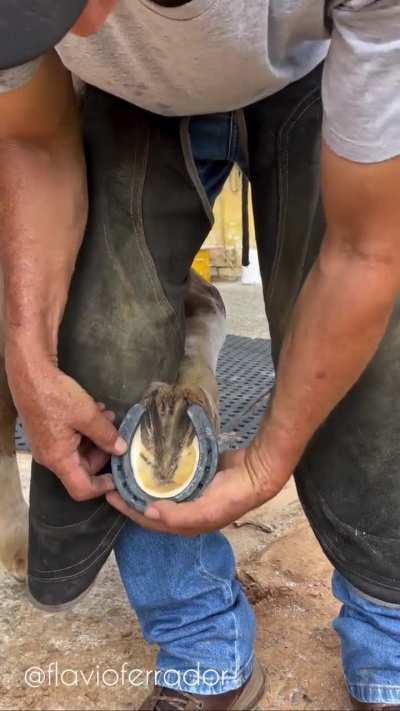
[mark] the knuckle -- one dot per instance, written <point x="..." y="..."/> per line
<point x="108" y="433"/>
<point x="79" y="496"/>
<point x="87" y="415"/>
<point x="106" y="440"/>
<point x="77" y="492"/>
<point x="100" y="428"/>
<point x="44" y="458"/>
<point x="40" y="457"/>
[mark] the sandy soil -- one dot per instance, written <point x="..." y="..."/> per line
<point x="286" y="576"/>
<point x="290" y="588"/>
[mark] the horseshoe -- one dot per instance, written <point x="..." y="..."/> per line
<point x="124" y="477"/>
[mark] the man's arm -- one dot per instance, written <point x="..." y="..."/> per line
<point x="337" y="324"/>
<point x="43" y="203"/>
<point x="342" y="312"/>
<point x="43" y="212"/>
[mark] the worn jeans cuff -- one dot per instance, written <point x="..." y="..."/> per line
<point x="204" y="681"/>
<point x="375" y="693"/>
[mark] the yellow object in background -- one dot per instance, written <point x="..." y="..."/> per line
<point x="202" y="264"/>
<point x="224" y="243"/>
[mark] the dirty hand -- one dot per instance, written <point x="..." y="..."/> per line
<point x="244" y="482"/>
<point x="68" y="431"/>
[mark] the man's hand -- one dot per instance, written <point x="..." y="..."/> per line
<point x="244" y="482"/>
<point x="69" y="433"/>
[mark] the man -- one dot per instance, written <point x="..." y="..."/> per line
<point x="330" y="295"/>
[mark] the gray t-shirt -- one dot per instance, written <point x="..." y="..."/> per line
<point x="217" y="55"/>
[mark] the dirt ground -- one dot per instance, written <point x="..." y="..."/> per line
<point x="78" y="656"/>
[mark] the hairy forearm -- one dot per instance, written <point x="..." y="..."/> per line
<point x="336" y="327"/>
<point x="43" y="210"/>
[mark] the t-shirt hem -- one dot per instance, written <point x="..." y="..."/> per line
<point x="358" y="152"/>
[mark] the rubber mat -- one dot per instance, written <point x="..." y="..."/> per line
<point x="245" y="377"/>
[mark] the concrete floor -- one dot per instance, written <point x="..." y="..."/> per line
<point x="245" y="309"/>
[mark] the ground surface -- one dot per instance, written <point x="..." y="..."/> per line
<point x="280" y="565"/>
<point x="245" y="309"/>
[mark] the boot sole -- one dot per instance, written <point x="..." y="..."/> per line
<point x="253" y="692"/>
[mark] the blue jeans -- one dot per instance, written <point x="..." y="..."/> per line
<point x="184" y="591"/>
<point x="370" y="636"/>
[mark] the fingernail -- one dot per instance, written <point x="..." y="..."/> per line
<point x="154" y="514"/>
<point x="120" y="446"/>
<point x="110" y="415"/>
